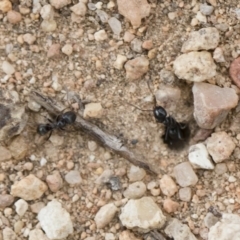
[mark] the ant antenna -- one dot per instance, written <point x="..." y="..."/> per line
<point x="138" y="107"/>
<point x="155" y="101"/>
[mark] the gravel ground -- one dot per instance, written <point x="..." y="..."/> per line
<point x="83" y="64"/>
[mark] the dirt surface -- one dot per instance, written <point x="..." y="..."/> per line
<point x="89" y="73"/>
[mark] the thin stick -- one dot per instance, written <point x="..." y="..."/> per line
<point x="94" y="131"/>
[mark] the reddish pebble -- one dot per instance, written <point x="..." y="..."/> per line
<point x="54" y="51"/>
<point x="235" y="71"/>
<point x="14" y="17"/>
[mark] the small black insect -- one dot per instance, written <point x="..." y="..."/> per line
<point x="60" y="123"/>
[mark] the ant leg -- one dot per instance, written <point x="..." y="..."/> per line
<point x="50" y="135"/>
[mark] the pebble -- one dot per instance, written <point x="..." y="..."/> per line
<point x="220" y="168"/>
<point x="67" y="49"/>
<point x="5" y="6"/>
<point x="34" y="106"/>
<point x="29" y="188"/>
<point x="21" y="207"/>
<point x="136" y="173"/>
<point x="6" y="200"/>
<point x="115" y="25"/>
<point x="142" y="214"/>
<point x="195" y="66"/>
<point x="183" y="179"/>
<point x="147" y="44"/>
<point x="100" y="35"/>
<point x="54" y="51"/>
<point x="59" y="3"/>
<point x="19" y="148"/>
<point x="222" y="27"/>
<point x="170" y="206"/>
<point x="199" y="157"/>
<point x="185" y="194"/>
<point x="103" y="16"/>
<point x="167" y="76"/>
<point x="92" y="146"/>
<point x="55" y="220"/>
<point x="47" y="12"/>
<point x="49" y="25"/>
<point x="8" y="233"/>
<point x="104" y="177"/>
<point x="73" y="177"/>
<point x="206" y="9"/>
<point x="127" y="235"/>
<point x="136" y="68"/>
<point x="232" y="179"/>
<point x="210" y="108"/>
<point x="5" y="154"/>
<point x="109" y="236"/>
<point x="201" y="18"/>
<point x="14" y="17"/>
<point x="178" y="231"/>
<point x="54" y="181"/>
<point x="37" y="234"/>
<point x="226" y="229"/>
<point x="235" y="71"/>
<point x="134" y="11"/>
<point x="210" y="220"/>
<point x="29" y="38"/>
<point x="220" y="146"/>
<point x="79" y="9"/>
<point x="36" y="207"/>
<point x="93" y="110"/>
<point x="203" y="39"/>
<point x="18" y="226"/>
<point x="118" y="64"/>
<point x="128" y="37"/>
<point x="168" y="186"/>
<point x="218" y="55"/>
<point x="105" y="215"/>
<point x="135" y="190"/>
<point x="8" y="68"/>
<point x="136" y="45"/>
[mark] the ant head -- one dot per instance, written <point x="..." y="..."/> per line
<point x="160" y="114"/>
<point x="42" y="129"/>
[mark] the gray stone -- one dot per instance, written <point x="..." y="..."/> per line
<point x="210" y="220"/>
<point x="115" y="25"/>
<point x="184" y="174"/>
<point x="37" y="234"/>
<point x="136" y="45"/>
<point x="199" y="157"/>
<point x="179" y="231"/>
<point x="135" y="190"/>
<point x="167" y="76"/>
<point x="185" y="194"/>
<point x="102" y="15"/>
<point x="73" y="177"/>
<point x="6" y="200"/>
<point x="21" y="207"/>
<point x="142" y="214"/>
<point x="206" y="9"/>
<point x="218" y="55"/>
<point x="104" y="177"/>
<point x="220" y="168"/>
<point x="195" y="66"/>
<point x="210" y="107"/>
<point x="136" y="173"/>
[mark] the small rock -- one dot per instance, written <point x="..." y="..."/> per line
<point x="5" y="6"/>
<point x="54" y="181"/>
<point x="34" y="106"/>
<point x="183" y="179"/>
<point x="55" y="220"/>
<point x="201" y="18"/>
<point x="143" y="214"/>
<point x="203" y="39"/>
<point x="115" y="25"/>
<point x="136" y="173"/>
<point x="21" y="207"/>
<point x="29" y="38"/>
<point x="134" y="10"/>
<point x="6" y="200"/>
<point x="210" y="108"/>
<point x="199" y="157"/>
<point x="103" y="16"/>
<point x="14" y="17"/>
<point x="168" y="186"/>
<point x="167" y="76"/>
<point x="152" y="53"/>
<point x="220" y="146"/>
<point x="128" y="37"/>
<point x="210" y="220"/>
<point x="105" y="177"/>
<point x="37" y="234"/>
<point x="136" y="45"/>
<point x="218" y="55"/>
<point x="148" y="44"/>
<point x="127" y="235"/>
<point x="206" y="9"/>
<point x="100" y="35"/>
<point x="5" y="154"/>
<point x="234" y="71"/>
<point x="195" y="66"/>
<point x="110" y="236"/>
<point x="170" y="206"/>
<point x="73" y="177"/>
<point x="8" y="68"/>
<point x="19" y="148"/>
<point x="92" y="146"/>
<point x="79" y="9"/>
<point x="67" y="49"/>
<point x="36" y="207"/>
<point x="179" y="231"/>
<point x="118" y="64"/>
<point x="226" y="229"/>
<point x="49" y="25"/>
<point x="220" y="168"/>
<point x="222" y="27"/>
<point x="135" y="190"/>
<point x="29" y="188"/>
<point x="105" y="215"/>
<point x="47" y="12"/>
<point x="185" y="194"/>
<point x="8" y="233"/>
<point x="114" y="183"/>
<point x="93" y="110"/>
<point x="59" y="3"/>
<point x="136" y="68"/>
<point x="54" y="51"/>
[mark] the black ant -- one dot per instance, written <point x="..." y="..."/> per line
<point x="61" y="122"/>
<point x="176" y="133"/>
